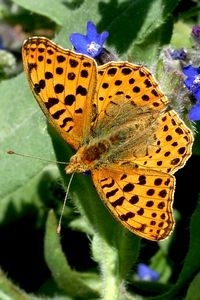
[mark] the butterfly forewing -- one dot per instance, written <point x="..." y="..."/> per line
<point x="63" y="83"/>
<point x="122" y="82"/>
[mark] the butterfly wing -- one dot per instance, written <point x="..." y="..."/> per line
<point x="131" y="106"/>
<point x="122" y="83"/>
<point x="172" y="145"/>
<point x="63" y="82"/>
<point x="140" y="199"/>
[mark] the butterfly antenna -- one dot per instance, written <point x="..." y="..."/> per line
<point x="35" y="157"/>
<point x="64" y="203"/>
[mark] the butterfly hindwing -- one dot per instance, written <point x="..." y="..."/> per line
<point x="171" y="146"/>
<point x="140" y="199"/>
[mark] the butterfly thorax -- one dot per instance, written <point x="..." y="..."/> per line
<point x="88" y="156"/>
<point x="136" y="136"/>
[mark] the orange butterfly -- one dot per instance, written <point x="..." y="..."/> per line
<point x="118" y="120"/>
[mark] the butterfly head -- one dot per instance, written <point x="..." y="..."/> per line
<point x="75" y="165"/>
<point x="88" y="157"/>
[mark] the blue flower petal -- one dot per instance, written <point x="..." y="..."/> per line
<point x="191" y="71"/>
<point x="103" y="36"/>
<point x="178" y="54"/>
<point x="194" y="114"/>
<point x="196" y="92"/>
<point x="189" y="82"/>
<point x="91" y="43"/>
<point x="146" y="273"/>
<point x="79" y="42"/>
<point x="192" y="81"/>
<point x="92" y="31"/>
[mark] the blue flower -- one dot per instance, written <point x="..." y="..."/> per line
<point x="146" y="273"/>
<point x="1" y="44"/>
<point x="193" y="78"/>
<point x="86" y="173"/>
<point x="196" y="33"/>
<point x="90" y="44"/>
<point x="192" y="83"/>
<point x="194" y="114"/>
<point x="178" y="54"/>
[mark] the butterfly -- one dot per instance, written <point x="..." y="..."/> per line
<point x="121" y="125"/>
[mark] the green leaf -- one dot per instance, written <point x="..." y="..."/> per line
<point x="149" y="26"/>
<point x="155" y="29"/>
<point x="10" y="291"/>
<point x="194" y="289"/>
<point x="181" y="34"/>
<point x="67" y="280"/>
<point x="191" y="263"/>
<point x="54" y="10"/>
<point x="23" y="130"/>
<point x="115" y="260"/>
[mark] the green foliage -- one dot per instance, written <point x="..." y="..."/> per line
<point x="193" y="291"/>
<point x="29" y="187"/>
<point x="54" y="11"/>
